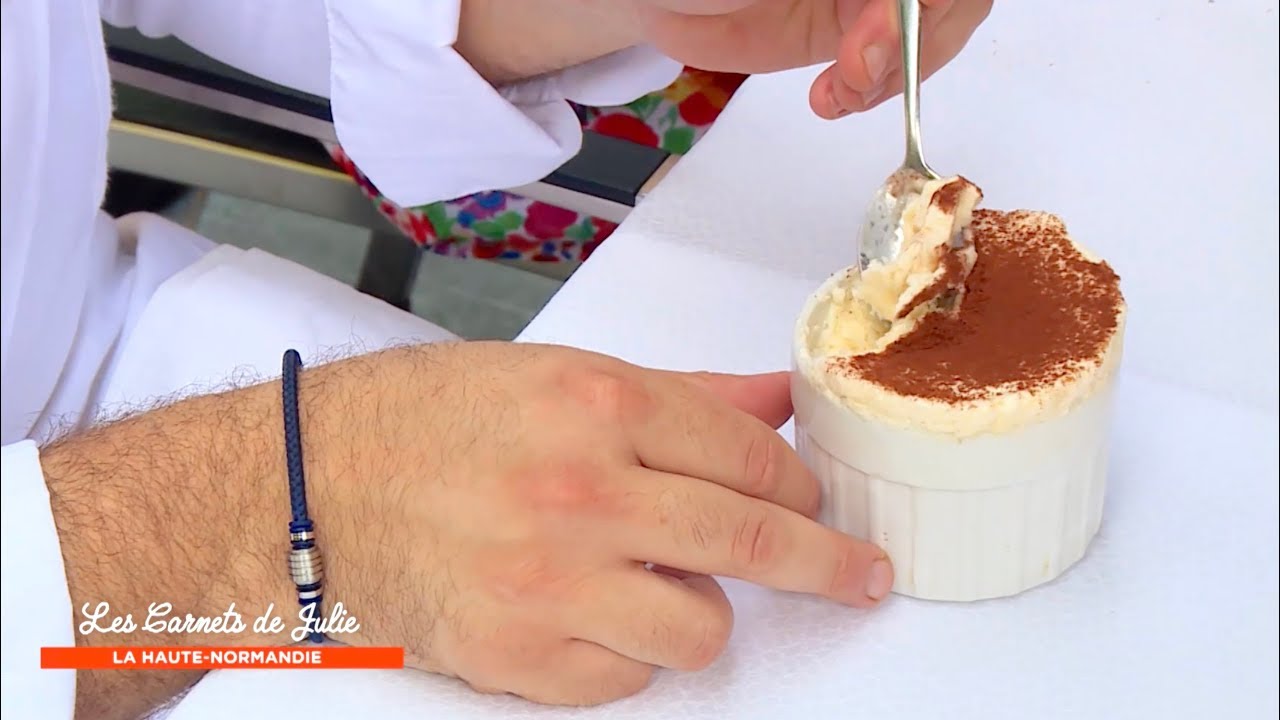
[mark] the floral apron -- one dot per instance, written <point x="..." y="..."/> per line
<point x="504" y="225"/>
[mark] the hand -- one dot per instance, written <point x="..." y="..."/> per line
<point x="531" y="519"/>
<point x="861" y="36"/>
<point x="546" y="521"/>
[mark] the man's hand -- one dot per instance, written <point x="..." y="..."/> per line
<point x="861" y="36"/>
<point x="507" y="40"/>
<point x="531" y="519"/>
<point x="522" y="494"/>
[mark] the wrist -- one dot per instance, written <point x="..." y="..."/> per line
<point x="181" y="505"/>
<point x="189" y="505"/>
<point x="350" y="414"/>
<point x="168" y="507"/>
<point x="370" y="428"/>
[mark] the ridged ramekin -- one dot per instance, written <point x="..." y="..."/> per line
<point x="962" y="519"/>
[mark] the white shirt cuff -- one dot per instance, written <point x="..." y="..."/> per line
<point x="423" y="125"/>
<point x="36" y="605"/>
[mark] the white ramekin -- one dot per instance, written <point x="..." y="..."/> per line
<point x="962" y="519"/>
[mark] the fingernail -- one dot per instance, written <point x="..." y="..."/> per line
<point x="879" y="579"/>
<point x="876" y="59"/>
<point x="872" y="95"/>
<point x="836" y="110"/>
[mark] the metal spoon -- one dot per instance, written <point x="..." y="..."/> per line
<point x="881" y="235"/>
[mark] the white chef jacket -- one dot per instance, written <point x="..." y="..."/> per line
<point x="408" y="109"/>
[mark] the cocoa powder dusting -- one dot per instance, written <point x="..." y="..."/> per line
<point x="1034" y="312"/>
<point x="948" y="196"/>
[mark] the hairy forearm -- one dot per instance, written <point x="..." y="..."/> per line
<point x="511" y="40"/>
<point x="187" y="505"/>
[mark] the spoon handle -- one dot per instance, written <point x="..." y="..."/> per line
<point x="909" y="26"/>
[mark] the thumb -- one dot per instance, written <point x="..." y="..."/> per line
<point x="766" y="396"/>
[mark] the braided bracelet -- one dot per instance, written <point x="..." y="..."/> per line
<point x="305" y="565"/>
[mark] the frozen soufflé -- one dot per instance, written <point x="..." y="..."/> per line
<point x="955" y="400"/>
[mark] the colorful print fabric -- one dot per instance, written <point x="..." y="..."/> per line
<point x="503" y="225"/>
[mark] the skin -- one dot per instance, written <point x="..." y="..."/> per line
<point x="511" y="550"/>
<point x="857" y="37"/>
<point x="530" y="519"/>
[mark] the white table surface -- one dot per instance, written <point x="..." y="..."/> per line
<point x="1152" y="128"/>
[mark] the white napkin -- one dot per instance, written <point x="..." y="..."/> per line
<point x="1172" y="614"/>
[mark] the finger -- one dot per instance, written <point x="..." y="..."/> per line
<point x="766" y="396"/>
<point x="701" y="7"/>
<point x="946" y="41"/>
<point x="951" y="33"/>
<point x="691" y="431"/>
<point x="672" y="572"/>
<point x="707" y="529"/>
<point x="868" y="66"/>
<point x="758" y="37"/>
<point x="831" y="98"/>
<point x="868" y="54"/>
<point x="577" y="673"/>
<point x="872" y="48"/>
<point x="892" y="89"/>
<point x="654" y="618"/>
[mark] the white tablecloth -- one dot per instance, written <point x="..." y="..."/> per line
<point x="1152" y="128"/>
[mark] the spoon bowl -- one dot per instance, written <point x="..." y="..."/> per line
<point x="881" y="235"/>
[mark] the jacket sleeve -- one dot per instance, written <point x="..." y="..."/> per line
<point x="36" y="605"/>
<point x="407" y="108"/>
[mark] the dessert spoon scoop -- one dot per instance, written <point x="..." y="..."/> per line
<point x="881" y="235"/>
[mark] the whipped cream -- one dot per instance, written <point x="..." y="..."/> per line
<point x="928" y="274"/>
<point x="863" y="339"/>
<point x="967" y="436"/>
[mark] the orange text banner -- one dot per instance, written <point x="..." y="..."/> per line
<point x="220" y="658"/>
